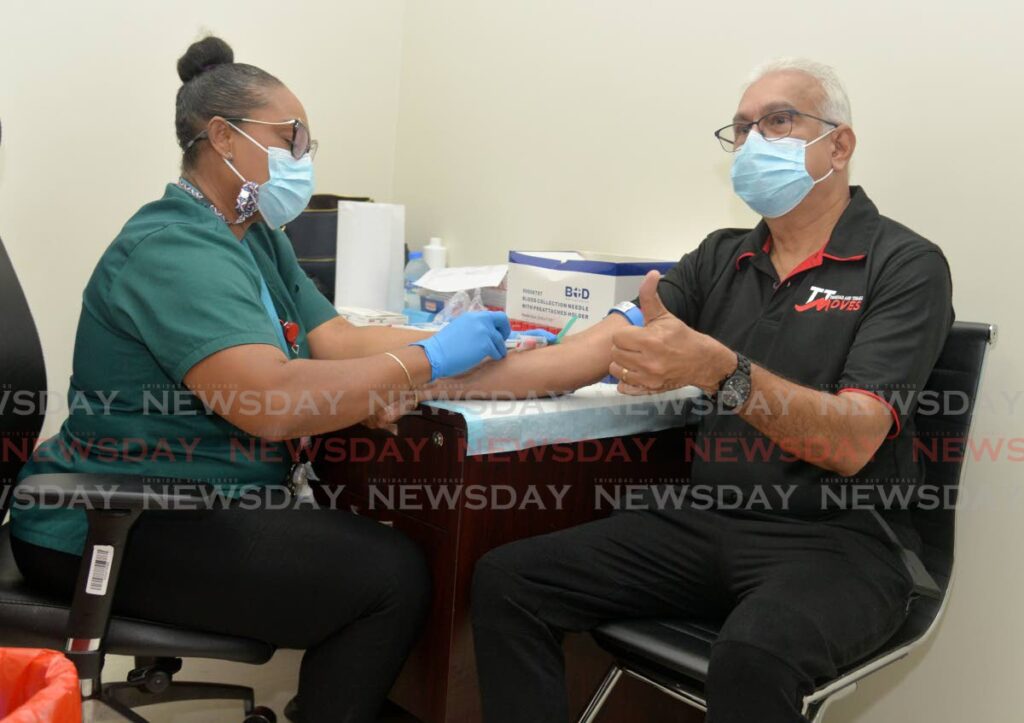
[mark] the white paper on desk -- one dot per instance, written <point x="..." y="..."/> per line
<point x="460" y="278"/>
<point x="371" y="255"/>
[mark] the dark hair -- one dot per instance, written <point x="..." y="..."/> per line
<point x="213" y="84"/>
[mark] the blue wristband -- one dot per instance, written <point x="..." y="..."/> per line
<point x="631" y="311"/>
<point x="633" y="315"/>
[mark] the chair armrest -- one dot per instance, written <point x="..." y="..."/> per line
<point x="111" y="492"/>
<point x="112" y="503"/>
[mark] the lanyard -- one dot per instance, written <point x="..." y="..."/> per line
<point x="268" y="303"/>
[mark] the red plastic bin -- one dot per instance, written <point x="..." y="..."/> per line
<point x="38" y="686"/>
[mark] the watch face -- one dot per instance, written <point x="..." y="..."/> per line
<point x="735" y="391"/>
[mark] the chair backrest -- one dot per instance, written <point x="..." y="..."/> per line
<point x="943" y="424"/>
<point x="22" y="380"/>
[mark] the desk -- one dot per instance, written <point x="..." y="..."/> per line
<point x="461" y="479"/>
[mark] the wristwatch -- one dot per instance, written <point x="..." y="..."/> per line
<point x="735" y="388"/>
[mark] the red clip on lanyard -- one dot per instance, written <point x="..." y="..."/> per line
<point x="291" y="333"/>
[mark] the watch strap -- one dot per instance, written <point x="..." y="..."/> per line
<point x="742" y="367"/>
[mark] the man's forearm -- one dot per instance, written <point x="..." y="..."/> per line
<point x="553" y="370"/>
<point x="537" y="373"/>
<point x="839" y="432"/>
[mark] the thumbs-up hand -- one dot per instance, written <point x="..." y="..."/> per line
<point x="650" y="302"/>
<point x="666" y="353"/>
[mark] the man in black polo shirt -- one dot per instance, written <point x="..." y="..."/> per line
<point x="811" y="332"/>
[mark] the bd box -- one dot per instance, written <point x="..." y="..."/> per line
<point x="547" y="288"/>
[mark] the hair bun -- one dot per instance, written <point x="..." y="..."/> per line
<point x="202" y="55"/>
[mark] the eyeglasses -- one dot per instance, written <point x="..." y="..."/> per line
<point x="772" y="126"/>
<point x="301" y="144"/>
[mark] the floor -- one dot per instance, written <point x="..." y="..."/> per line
<point x="274" y="684"/>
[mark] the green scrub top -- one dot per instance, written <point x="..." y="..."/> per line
<point x="173" y="288"/>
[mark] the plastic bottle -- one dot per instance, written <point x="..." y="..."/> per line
<point x="435" y="254"/>
<point x="413" y="271"/>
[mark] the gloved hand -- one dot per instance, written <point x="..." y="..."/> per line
<point x="465" y="342"/>
<point x="542" y="333"/>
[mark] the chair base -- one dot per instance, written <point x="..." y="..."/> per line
<point x="94" y="709"/>
<point x="601" y="695"/>
<point x="130" y="696"/>
<point x="813" y="711"/>
<point x="152" y="684"/>
<point x="691" y="698"/>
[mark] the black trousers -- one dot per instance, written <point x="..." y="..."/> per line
<point x="350" y="592"/>
<point x="798" y="600"/>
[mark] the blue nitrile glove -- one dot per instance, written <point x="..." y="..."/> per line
<point x="542" y="333"/>
<point x="465" y="342"/>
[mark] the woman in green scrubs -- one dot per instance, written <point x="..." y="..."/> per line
<point x="205" y="353"/>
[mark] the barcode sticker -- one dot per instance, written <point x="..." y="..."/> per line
<point x="99" y="570"/>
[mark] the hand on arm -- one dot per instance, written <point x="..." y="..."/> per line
<point x="665" y="353"/>
<point x="261" y="392"/>
<point x="575" y="362"/>
<point x="837" y="432"/>
<point x="256" y="388"/>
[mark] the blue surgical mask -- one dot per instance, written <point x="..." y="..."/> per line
<point x="771" y="176"/>
<point x="287" y="192"/>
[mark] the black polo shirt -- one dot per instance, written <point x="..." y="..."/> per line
<point x="868" y="313"/>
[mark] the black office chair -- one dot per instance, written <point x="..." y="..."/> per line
<point x="85" y="630"/>
<point x="672" y="655"/>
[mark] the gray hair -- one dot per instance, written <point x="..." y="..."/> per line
<point x="836" y="104"/>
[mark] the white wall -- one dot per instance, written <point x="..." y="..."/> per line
<point x="587" y="124"/>
<point x="87" y="104"/>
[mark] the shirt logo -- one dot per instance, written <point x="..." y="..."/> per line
<point x="828" y="300"/>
